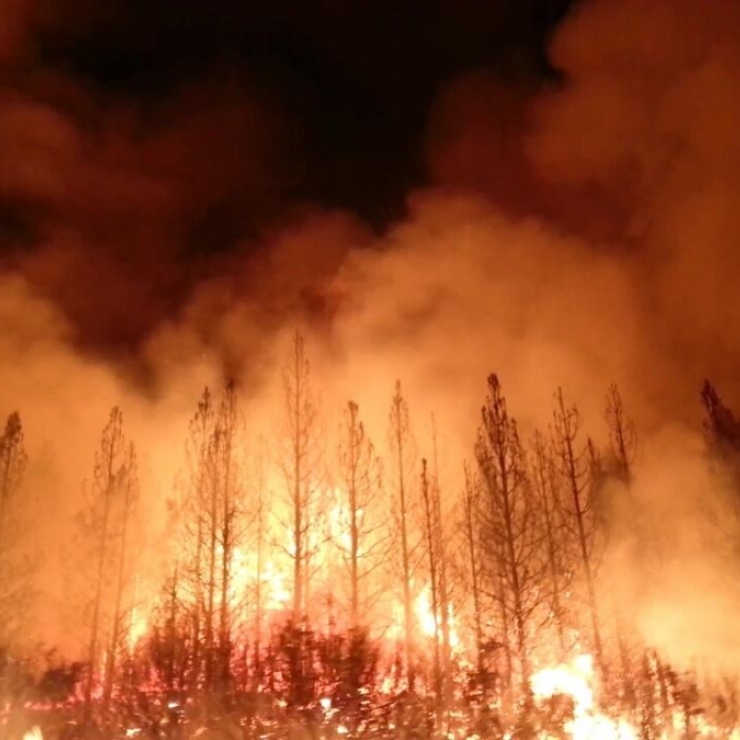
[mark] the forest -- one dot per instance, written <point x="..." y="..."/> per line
<point x="306" y="589"/>
<point x="352" y="370"/>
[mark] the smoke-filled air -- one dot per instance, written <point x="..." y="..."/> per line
<point x="369" y="372"/>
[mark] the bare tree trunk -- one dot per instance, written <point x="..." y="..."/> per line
<point x="106" y="482"/>
<point x="470" y="520"/>
<point x="129" y="496"/>
<point x="511" y="522"/>
<point x="15" y="569"/>
<point x="301" y="459"/>
<point x="354" y="528"/>
<point x="197" y="615"/>
<point x="444" y="594"/>
<point x="12" y="467"/>
<point x="577" y="477"/>
<point x="399" y="433"/>
<point x="201" y="431"/>
<point x="212" y="560"/>
<point x="260" y="546"/>
<point x="544" y="478"/>
<point x="433" y="577"/>
<point x="213" y="531"/>
<point x="92" y="651"/>
<point x="359" y="474"/>
<point x="515" y="583"/>
<point x="228" y="524"/>
<point x="174" y="674"/>
<point x="623" y="439"/>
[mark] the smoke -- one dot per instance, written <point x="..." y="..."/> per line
<point x="644" y="118"/>
<point x="110" y="199"/>
<point x="64" y="399"/>
<point x="633" y="152"/>
<point x="673" y="552"/>
<point x="619" y="267"/>
<point x="576" y="236"/>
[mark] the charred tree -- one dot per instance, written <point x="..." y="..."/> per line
<point x="100" y="526"/>
<point x="471" y="503"/>
<point x="260" y="544"/>
<point x="545" y="486"/>
<point x="430" y="538"/>
<point x="574" y="461"/>
<point x="623" y="448"/>
<point x="15" y="566"/>
<point x="213" y="528"/>
<point x="443" y="615"/>
<point x="13" y="461"/>
<point x="402" y="461"/>
<point x="622" y="437"/>
<point x="129" y="494"/>
<point x="225" y="480"/>
<point x="170" y="643"/>
<point x="301" y="459"/>
<point x="510" y="521"/>
<point x="722" y="429"/>
<point x="360" y="477"/>
<point x="195" y="555"/>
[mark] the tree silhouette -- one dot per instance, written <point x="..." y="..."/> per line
<point x="515" y="567"/>
<point x="575" y="464"/>
<point x="214" y="522"/>
<point x="301" y="460"/>
<point x="545" y="487"/>
<point x="16" y="564"/>
<point x="361" y="536"/>
<point x="103" y="527"/>
<point x="401" y="465"/>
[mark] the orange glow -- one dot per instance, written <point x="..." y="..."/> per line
<point x="576" y="680"/>
<point x="428" y="621"/>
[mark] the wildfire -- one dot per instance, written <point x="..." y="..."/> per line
<point x="575" y="680"/>
<point x="428" y="619"/>
<point x="266" y="575"/>
<point x="138" y="627"/>
<point x="249" y="574"/>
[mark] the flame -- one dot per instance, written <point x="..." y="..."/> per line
<point x="138" y="627"/>
<point x="428" y="619"/>
<point x="424" y="614"/>
<point x="247" y="575"/>
<point x="576" y="680"/>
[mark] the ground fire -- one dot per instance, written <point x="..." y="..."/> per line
<point x="345" y="593"/>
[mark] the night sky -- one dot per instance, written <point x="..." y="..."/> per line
<point x="147" y="143"/>
<point x="351" y="84"/>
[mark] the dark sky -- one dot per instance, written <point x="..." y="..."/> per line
<point x="351" y="81"/>
<point x="149" y="146"/>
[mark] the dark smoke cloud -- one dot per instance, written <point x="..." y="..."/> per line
<point x="119" y="203"/>
<point x="633" y="151"/>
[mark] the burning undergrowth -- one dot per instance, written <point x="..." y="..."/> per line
<point x="311" y="582"/>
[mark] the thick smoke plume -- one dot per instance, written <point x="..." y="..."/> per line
<point x="574" y="236"/>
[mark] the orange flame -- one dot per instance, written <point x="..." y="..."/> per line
<point x="576" y="681"/>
